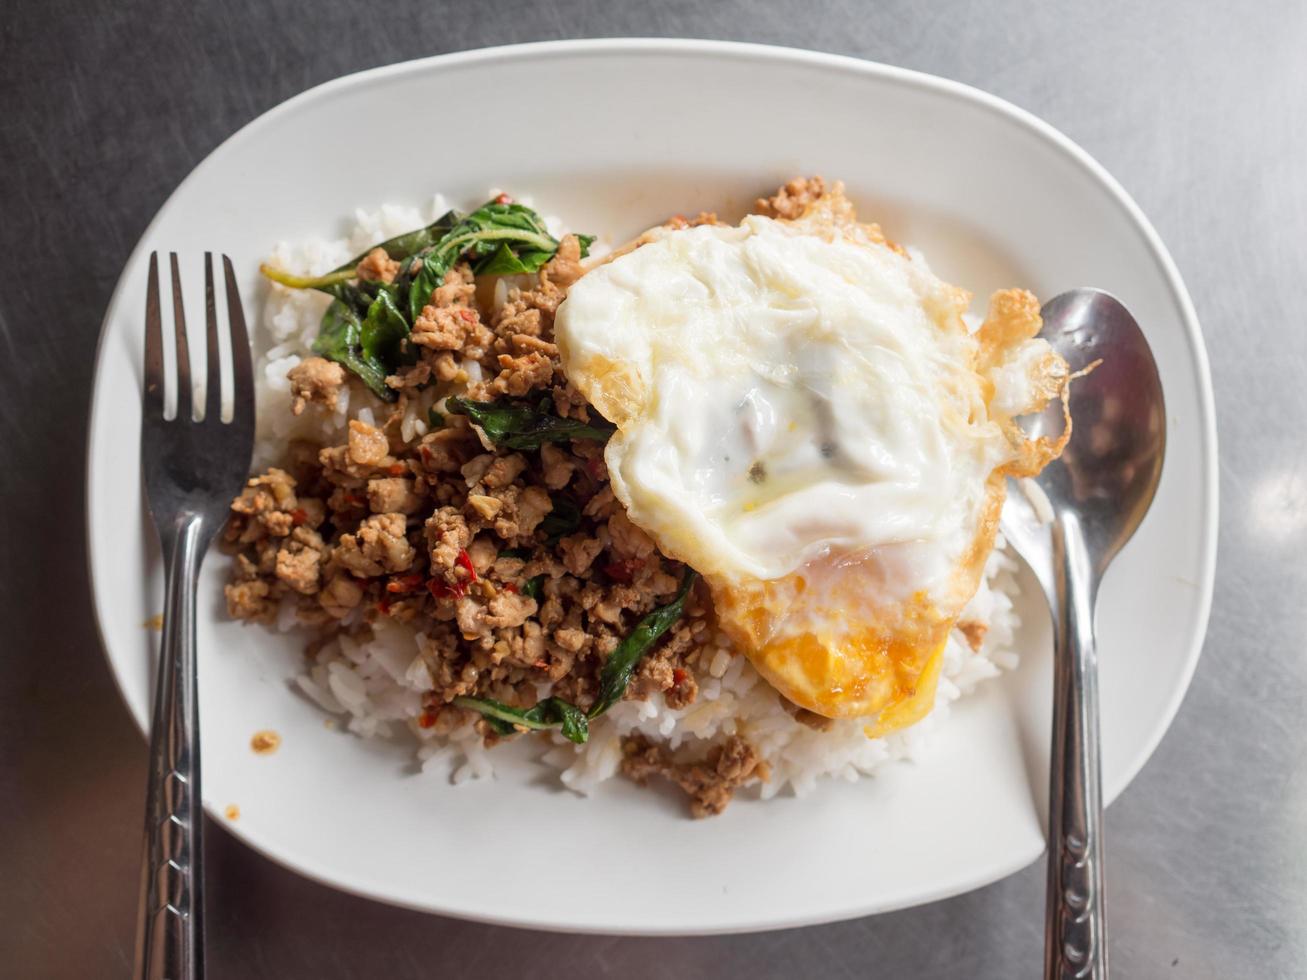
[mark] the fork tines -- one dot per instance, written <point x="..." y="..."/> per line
<point x="242" y="403"/>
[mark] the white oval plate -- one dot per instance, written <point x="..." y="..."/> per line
<point x="614" y="135"/>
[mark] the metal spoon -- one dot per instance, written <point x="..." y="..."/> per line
<point x="1068" y="527"/>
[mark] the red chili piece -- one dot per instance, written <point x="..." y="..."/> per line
<point x="678" y="677"/>
<point x="442" y="590"/>
<point x="503" y="199"/>
<point x="298" y="516"/>
<point x="404" y="583"/>
<point x="465" y="560"/>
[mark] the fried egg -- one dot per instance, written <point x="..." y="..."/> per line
<point x="804" y="417"/>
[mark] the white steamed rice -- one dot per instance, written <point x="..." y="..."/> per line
<point x="376" y="687"/>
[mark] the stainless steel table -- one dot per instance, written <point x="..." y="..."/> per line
<point x="1202" y="114"/>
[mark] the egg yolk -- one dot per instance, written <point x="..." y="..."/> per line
<point x="817" y="639"/>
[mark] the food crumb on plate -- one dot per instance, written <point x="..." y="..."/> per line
<point x="233" y="812"/>
<point x="265" y="742"/>
<point x="155" y="622"/>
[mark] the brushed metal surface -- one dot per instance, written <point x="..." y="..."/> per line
<point x="1198" y="111"/>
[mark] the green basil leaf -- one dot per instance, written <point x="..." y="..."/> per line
<point x="410" y="243"/>
<point x="563" y="520"/>
<point x="400" y="247"/>
<point x="515" y="424"/>
<point x="575" y="725"/>
<point x="549" y="713"/>
<point x="371" y="343"/>
<point x="502" y="718"/>
<point x="620" y="666"/>
<point x="357" y="296"/>
<point x="384" y="332"/>
<point x="339" y="333"/>
<point x="505" y="262"/>
<point x="429" y="277"/>
<point x="340" y="339"/>
<point x="533" y="586"/>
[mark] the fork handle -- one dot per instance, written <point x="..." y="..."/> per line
<point x="170" y="935"/>
<point x="1075" y="935"/>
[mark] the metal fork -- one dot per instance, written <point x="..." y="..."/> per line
<point x="192" y="470"/>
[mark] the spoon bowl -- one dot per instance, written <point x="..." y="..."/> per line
<point x="1109" y="471"/>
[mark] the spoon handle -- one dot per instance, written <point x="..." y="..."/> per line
<point x="1075" y="935"/>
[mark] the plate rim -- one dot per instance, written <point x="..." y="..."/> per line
<point x="735" y="50"/>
